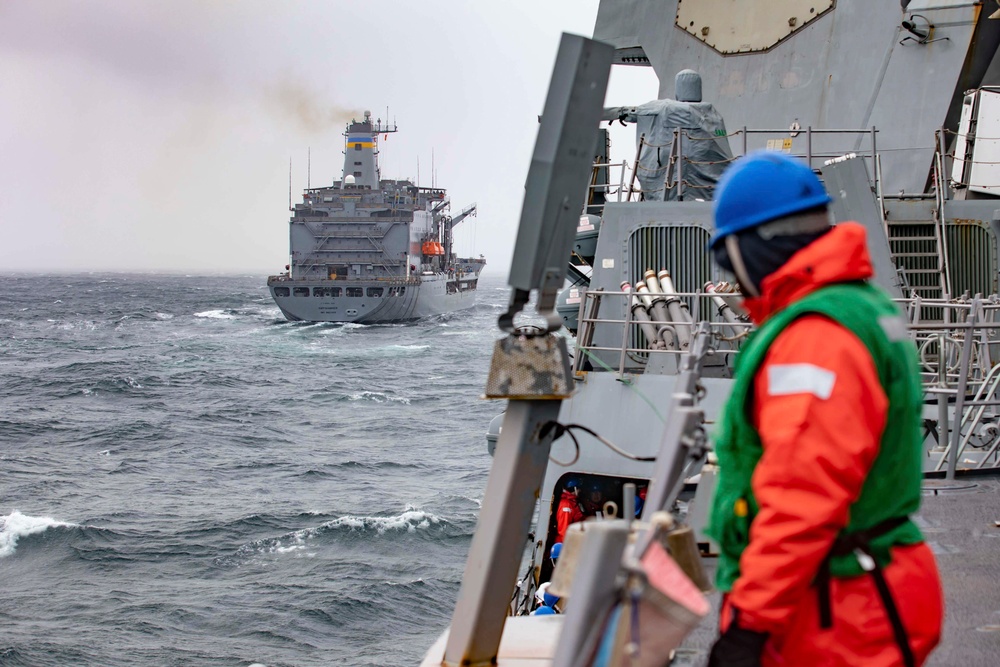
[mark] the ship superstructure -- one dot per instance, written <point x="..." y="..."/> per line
<point x="372" y="250"/>
<point x="891" y="104"/>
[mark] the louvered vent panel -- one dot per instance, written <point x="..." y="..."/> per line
<point x="973" y="259"/>
<point x="681" y="250"/>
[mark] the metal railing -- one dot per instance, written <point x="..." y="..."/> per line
<point x="385" y="280"/>
<point x="959" y="355"/>
<point x="959" y="358"/>
<point x="654" y="323"/>
<point x="624" y="186"/>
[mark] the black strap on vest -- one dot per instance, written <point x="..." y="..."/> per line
<point x="859" y="543"/>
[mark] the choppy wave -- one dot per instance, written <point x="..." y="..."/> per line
<point x="378" y="397"/>
<point x="217" y="314"/>
<point x="114" y="385"/>
<point x="384" y="352"/>
<point x="15" y="525"/>
<point x="305" y="542"/>
<point x="410" y="521"/>
<point x="239" y="481"/>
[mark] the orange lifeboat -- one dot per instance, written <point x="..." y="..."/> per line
<point x="432" y="248"/>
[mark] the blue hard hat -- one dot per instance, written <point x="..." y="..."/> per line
<point x="556" y="550"/>
<point x="571" y="484"/>
<point x="543" y="611"/>
<point x="764" y="186"/>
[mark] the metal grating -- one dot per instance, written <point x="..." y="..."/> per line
<point x="682" y="250"/>
<point x="972" y="256"/>
<point x="915" y="250"/>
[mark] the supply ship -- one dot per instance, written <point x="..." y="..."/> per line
<point x="372" y="250"/>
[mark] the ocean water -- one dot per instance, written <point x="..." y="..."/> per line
<point x="188" y="479"/>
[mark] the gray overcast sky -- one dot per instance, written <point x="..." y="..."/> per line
<point x="156" y="136"/>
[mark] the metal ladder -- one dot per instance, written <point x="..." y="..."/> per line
<point x="920" y="247"/>
<point x="916" y="251"/>
<point x="381" y="248"/>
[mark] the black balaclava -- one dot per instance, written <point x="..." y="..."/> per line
<point x="761" y="256"/>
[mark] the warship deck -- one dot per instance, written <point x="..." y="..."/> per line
<point x="959" y="522"/>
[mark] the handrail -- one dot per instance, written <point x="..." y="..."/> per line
<point x="957" y="362"/>
<point x="676" y="158"/>
<point x="589" y="318"/>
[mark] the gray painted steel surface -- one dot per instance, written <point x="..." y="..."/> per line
<point x="853" y="67"/>
<point x="369" y="250"/>
<point x="846" y="69"/>
<point x="849" y="184"/>
<point x="563" y="157"/>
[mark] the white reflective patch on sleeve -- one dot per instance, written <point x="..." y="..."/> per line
<point x="895" y="328"/>
<point x="787" y="379"/>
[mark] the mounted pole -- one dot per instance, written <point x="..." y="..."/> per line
<point x="528" y="369"/>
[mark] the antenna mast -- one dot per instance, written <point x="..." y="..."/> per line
<point x="309" y="168"/>
<point x="289" y="183"/>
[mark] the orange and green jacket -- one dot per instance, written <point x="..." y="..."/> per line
<point x="821" y="434"/>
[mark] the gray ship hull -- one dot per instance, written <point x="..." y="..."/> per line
<point x="378" y="303"/>
<point x="372" y="250"/>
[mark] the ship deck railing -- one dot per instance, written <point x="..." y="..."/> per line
<point x="634" y="349"/>
<point x="959" y="357"/>
<point x="622" y="186"/>
<point x="336" y="219"/>
<point x="384" y="280"/>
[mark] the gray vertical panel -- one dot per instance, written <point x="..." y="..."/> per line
<point x="973" y="259"/>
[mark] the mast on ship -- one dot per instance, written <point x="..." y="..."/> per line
<point x="361" y="170"/>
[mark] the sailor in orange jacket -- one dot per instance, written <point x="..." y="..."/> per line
<point x="816" y="418"/>
<point x="568" y="512"/>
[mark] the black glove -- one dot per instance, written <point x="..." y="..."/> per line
<point x="737" y="647"/>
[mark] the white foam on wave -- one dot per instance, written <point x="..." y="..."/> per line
<point x="163" y="316"/>
<point x="16" y="525"/>
<point x="341" y="329"/>
<point x="332" y="331"/>
<point x="378" y="397"/>
<point x="73" y="326"/>
<point x="216" y="315"/>
<point x="293" y="543"/>
<point x="390" y="582"/>
<point x="411" y="520"/>
<point x="297" y="543"/>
